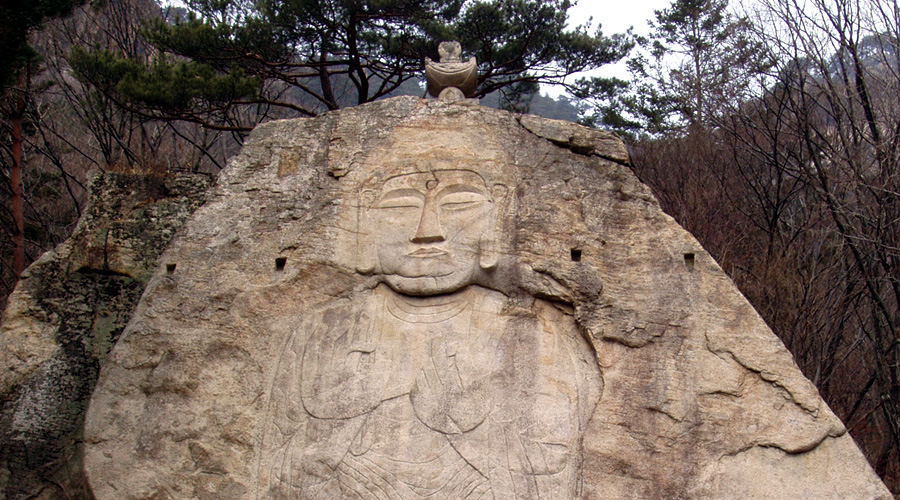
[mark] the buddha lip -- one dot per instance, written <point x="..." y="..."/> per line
<point x="427" y="252"/>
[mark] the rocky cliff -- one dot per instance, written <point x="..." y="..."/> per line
<point x="414" y="298"/>
<point x="65" y="315"/>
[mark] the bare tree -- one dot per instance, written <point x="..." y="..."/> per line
<point x="843" y="89"/>
<point x="68" y="129"/>
<point x="796" y="191"/>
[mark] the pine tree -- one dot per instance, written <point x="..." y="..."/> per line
<point x="698" y="60"/>
<point x="302" y="57"/>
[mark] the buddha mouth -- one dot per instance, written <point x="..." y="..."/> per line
<point x="423" y="253"/>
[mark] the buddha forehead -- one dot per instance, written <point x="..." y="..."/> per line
<point x="442" y="141"/>
<point x="435" y="180"/>
<point x="433" y="147"/>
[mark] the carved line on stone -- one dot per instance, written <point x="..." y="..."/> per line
<point x="426" y="373"/>
<point x="365" y="242"/>
<point x="531" y="471"/>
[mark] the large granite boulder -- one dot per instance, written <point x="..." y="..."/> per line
<point x="413" y="299"/>
<point x="64" y="316"/>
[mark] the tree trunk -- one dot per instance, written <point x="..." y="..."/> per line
<point x="18" y="194"/>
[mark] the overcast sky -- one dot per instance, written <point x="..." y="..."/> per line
<point x="615" y="16"/>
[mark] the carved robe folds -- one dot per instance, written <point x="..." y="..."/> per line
<point x="443" y="397"/>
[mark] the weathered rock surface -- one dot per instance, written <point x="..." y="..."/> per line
<point x="413" y="298"/>
<point x="63" y="318"/>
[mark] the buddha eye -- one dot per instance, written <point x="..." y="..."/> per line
<point x="462" y="200"/>
<point x="400" y="200"/>
<point x="401" y="203"/>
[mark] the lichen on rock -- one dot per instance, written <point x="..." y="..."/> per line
<point x="65" y="315"/>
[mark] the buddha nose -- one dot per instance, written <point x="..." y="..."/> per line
<point x="429" y="230"/>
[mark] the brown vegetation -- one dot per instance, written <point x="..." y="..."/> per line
<point x="797" y="194"/>
<point x="68" y="129"/>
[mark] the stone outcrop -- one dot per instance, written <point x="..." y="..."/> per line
<point x="64" y="316"/>
<point x="412" y="298"/>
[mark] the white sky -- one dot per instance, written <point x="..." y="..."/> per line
<point x="615" y="16"/>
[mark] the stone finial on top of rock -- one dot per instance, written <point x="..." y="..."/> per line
<point x="452" y="79"/>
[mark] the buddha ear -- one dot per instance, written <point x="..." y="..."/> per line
<point x="365" y="244"/>
<point x="489" y="253"/>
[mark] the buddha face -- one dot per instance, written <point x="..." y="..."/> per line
<point x="428" y="228"/>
